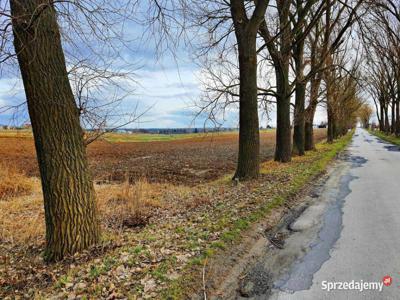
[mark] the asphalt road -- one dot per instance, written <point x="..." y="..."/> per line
<point x="350" y="236"/>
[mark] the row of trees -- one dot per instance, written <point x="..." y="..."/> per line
<point x="272" y="52"/>
<point x="381" y="37"/>
<point x="254" y="54"/>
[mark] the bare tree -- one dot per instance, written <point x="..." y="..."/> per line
<point x="100" y="95"/>
<point x="69" y="198"/>
<point x="380" y="34"/>
<point x="246" y="29"/>
<point x="230" y="30"/>
<point x="342" y="82"/>
<point x="364" y="114"/>
<point x="38" y="28"/>
<point x="295" y="21"/>
<point x="328" y="36"/>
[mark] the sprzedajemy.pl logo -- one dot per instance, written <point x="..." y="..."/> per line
<point x="357" y="285"/>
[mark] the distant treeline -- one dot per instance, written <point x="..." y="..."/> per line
<point x="171" y="130"/>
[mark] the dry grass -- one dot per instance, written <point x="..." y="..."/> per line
<point x="128" y="205"/>
<point x="14" y="183"/>
<point x="21" y="208"/>
<point x="22" y="215"/>
<point x="21" y="211"/>
<point x="22" y="221"/>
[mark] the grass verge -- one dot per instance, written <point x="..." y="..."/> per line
<point x="297" y="174"/>
<point x="164" y="259"/>
<point x="386" y="137"/>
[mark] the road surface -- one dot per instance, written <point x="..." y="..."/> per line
<point x="349" y="237"/>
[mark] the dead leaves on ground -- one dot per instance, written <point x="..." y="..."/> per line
<point x="142" y="262"/>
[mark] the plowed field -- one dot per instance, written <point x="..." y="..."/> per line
<point x="186" y="161"/>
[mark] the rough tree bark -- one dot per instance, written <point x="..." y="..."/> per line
<point x="382" y="118"/>
<point x="310" y="113"/>
<point x="316" y="56"/>
<point x="393" y="117"/>
<point x="69" y="198"/>
<point x="398" y="110"/>
<point x="309" y="130"/>
<point x="301" y="84"/>
<point x="331" y="125"/>
<point x="283" y="151"/>
<point x="387" y="123"/>
<point x="248" y="165"/>
<point x="249" y="136"/>
<point x="300" y="95"/>
<point x="329" y="104"/>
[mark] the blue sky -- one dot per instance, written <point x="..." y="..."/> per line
<point x="170" y="88"/>
<point x="167" y="83"/>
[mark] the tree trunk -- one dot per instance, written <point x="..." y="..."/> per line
<point x="329" y="103"/>
<point x="69" y="197"/>
<point x="310" y="113"/>
<point x="249" y="137"/>
<point x="283" y="151"/>
<point x="382" y="118"/>
<point x="299" y="110"/>
<point x="309" y="130"/>
<point x="377" y="113"/>
<point x="393" y="123"/>
<point x="397" y="131"/>
<point x="299" y="121"/>
<point x="387" y="124"/>
<point x="331" y="124"/>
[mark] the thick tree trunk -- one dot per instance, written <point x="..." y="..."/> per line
<point x="377" y="113"/>
<point x="382" y="118"/>
<point x="310" y="113"/>
<point x="397" y="130"/>
<point x="283" y="151"/>
<point x="331" y="125"/>
<point x="69" y="198"/>
<point x="299" y="120"/>
<point x="249" y="137"/>
<point x="331" y="120"/>
<point x="309" y="130"/>
<point x="387" y="124"/>
<point x="393" y="123"/>
<point x="299" y="109"/>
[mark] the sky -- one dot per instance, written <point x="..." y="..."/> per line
<point x="166" y="88"/>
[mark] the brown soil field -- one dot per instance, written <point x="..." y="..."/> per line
<point x="185" y="161"/>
